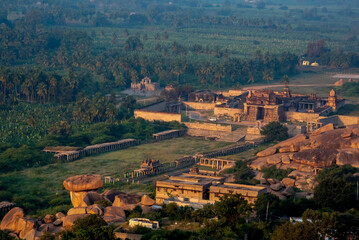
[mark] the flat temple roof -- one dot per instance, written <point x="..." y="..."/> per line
<point x="191" y="179"/>
<point x="240" y="186"/>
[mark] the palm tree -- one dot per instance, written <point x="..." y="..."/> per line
<point x="285" y="80"/>
<point x="218" y="74"/>
<point x="4" y="78"/>
<point x="41" y="91"/>
<point x="251" y="78"/>
<point x="268" y="76"/>
<point x="25" y="90"/>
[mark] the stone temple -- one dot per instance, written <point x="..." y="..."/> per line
<point x="268" y="106"/>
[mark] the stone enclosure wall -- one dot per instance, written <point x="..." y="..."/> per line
<point x="227" y="111"/>
<point x="199" y="105"/>
<point x="157" y="116"/>
<point x="301" y="117"/>
<point x="210" y="127"/>
<point x="347" y="120"/>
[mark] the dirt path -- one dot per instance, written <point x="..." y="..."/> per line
<point x="291" y="85"/>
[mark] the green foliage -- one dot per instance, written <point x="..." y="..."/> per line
<point x="276" y="173"/>
<point x="13" y="159"/>
<point x="272" y="202"/>
<point x="336" y="188"/>
<point x="274" y="131"/>
<point x="233" y="208"/>
<point x="350" y="89"/>
<point x="4" y="235"/>
<point x="336" y="194"/>
<point x="140" y="230"/>
<point x="169" y="235"/>
<point x="296" y="231"/>
<point x="242" y="173"/>
<point x="173" y="212"/>
<point x="276" y="208"/>
<point x="92" y="227"/>
<point x="335" y="224"/>
<point x="349" y="109"/>
<point x="47" y="236"/>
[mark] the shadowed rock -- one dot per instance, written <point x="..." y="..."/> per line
<point x="114" y="214"/>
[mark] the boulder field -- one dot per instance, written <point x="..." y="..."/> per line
<point x="307" y="154"/>
<point x="83" y="205"/>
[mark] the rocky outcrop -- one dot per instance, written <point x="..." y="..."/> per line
<point x="325" y="147"/>
<point x="288" y="182"/>
<point x="11" y="221"/>
<point x="92" y="197"/>
<point x="31" y="229"/>
<point x="348" y="156"/>
<point x="126" y="201"/>
<point x="110" y="194"/>
<point x="114" y="214"/>
<point x="68" y="221"/>
<point x="81" y="189"/>
<point x="49" y="218"/>
<point x="326" y="128"/>
<point x="267" y="152"/>
<point x="147" y="201"/>
<point x="81" y="183"/>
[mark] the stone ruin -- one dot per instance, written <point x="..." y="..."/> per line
<point x="309" y="154"/>
<point x="85" y="199"/>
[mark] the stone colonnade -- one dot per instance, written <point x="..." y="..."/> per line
<point x="146" y="171"/>
<point x="95" y="149"/>
<point x="312" y="126"/>
<point x="214" y="162"/>
<point x="169" y="134"/>
<point x="227" y="151"/>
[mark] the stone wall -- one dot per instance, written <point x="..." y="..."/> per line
<point x="294" y="130"/>
<point x="301" y="117"/>
<point x="347" y="120"/>
<point x="233" y="93"/>
<point x="227" y="111"/>
<point x="157" y="116"/>
<point x="209" y="126"/>
<point x="199" y="105"/>
<point x="159" y="107"/>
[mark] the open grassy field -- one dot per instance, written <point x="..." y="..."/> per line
<point x="47" y="181"/>
<point x="314" y="76"/>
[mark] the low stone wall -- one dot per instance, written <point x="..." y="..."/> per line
<point x="227" y="111"/>
<point x="209" y="126"/>
<point x="157" y="116"/>
<point x="301" y="117"/>
<point x="233" y="93"/>
<point x="199" y="106"/>
<point x="347" y="120"/>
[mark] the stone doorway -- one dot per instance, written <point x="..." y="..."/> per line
<point x="260" y="113"/>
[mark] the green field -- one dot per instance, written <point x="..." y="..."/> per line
<point x="45" y="183"/>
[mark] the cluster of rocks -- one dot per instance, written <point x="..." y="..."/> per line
<point x="282" y="189"/>
<point x="28" y="228"/>
<point x="85" y="200"/>
<point x="323" y="148"/>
